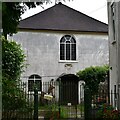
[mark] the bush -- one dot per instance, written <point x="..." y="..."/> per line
<point x="13" y="98"/>
<point x="13" y="59"/>
<point x="93" y="76"/>
<point x="107" y="112"/>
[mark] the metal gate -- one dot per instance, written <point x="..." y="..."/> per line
<point x="60" y="103"/>
<point x="54" y="101"/>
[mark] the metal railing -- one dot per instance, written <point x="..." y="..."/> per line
<point x="56" y="100"/>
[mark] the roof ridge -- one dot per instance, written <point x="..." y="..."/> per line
<point x="60" y="3"/>
<point x="81" y="13"/>
<point x="66" y="18"/>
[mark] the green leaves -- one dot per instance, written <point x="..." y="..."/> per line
<point x="93" y="76"/>
<point x="11" y="14"/>
<point x="13" y="62"/>
<point x="12" y="11"/>
<point x="13" y="59"/>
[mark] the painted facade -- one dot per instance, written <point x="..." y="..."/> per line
<point x="114" y="46"/>
<point x="43" y="53"/>
<point x="57" y="47"/>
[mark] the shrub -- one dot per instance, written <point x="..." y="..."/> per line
<point x="107" y="112"/>
<point x="13" y="63"/>
<point x="13" y="59"/>
<point x="93" y="76"/>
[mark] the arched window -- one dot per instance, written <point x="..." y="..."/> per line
<point x="34" y="81"/>
<point x="67" y="48"/>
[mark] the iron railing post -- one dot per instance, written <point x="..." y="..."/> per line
<point x="35" y="104"/>
<point x="87" y="103"/>
<point x="59" y="96"/>
<point x="118" y="96"/>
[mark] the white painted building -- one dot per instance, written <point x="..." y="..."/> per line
<point x="114" y="49"/>
<point x="59" y="42"/>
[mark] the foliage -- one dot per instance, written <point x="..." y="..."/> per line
<point x="52" y="115"/>
<point x="13" y="59"/>
<point x="14" y="101"/>
<point x="11" y="14"/>
<point x="13" y="97"/>
<point x="93" y="76"/>
<point x="81" y="107"/>
<point x="63" y="112"/>
<point x="52" y="112"/>
<point x="107" y="112"/>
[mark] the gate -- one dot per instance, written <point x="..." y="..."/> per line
<point x="56" y="101"/>
<point x="61" y="102"/>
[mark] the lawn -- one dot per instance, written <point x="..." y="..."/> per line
<point x="65" y="111"/>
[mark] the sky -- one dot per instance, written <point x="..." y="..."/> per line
<point x="93" y="8"/>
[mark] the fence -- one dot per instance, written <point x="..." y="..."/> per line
<point x="17" y="103"/>
<point x="56" y="100"/>
<point x="64" y="103"/>
<point x="103" y="105"/>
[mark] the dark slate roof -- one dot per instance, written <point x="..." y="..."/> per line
<point x="62" y="17"/>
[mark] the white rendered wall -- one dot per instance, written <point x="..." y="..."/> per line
<point x="43" y="53"/>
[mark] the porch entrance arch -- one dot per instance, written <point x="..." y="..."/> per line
<point x="68" y="89"/>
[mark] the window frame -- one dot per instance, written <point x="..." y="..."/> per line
<point x="33" y="78"/>
<point x="113" y="9"/>
<point x="72" y="43"/>
<point x="113" y="19"/>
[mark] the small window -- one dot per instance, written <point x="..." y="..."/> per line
<point x="30" y="85"/>
<point x="113" y="19"/>
<point x="67" y="48"/>
<point x="34" y="81"/>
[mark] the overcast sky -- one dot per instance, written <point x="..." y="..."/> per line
<point x="94" y="8"/>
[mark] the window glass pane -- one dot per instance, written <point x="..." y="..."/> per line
<point x="38" y="84"/>
<point x="67" y="51"/>
<point x="30" y="85"/>
<point x="31" y="77"/>
<point x="73" y="40"/>
<point x="73" y="51"/>
<point x="34" y="80"/>
<point x="67" y="48"/>
<point x="62" y="51"/>
<point x="34" y="76"/>
<point x="113" y="19"/>
<point x="67" y="37"/>
<point x="62" y="40"/>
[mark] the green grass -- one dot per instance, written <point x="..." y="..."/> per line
<point x="64" y="110"/>
<point x="81" y="107"/>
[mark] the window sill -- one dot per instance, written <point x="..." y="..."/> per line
<point x="68" y="61"/>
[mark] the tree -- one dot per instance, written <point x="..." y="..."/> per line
<point x="13" y="63"/>
<point x="11" y="14"/>
<point x="13" y="59"/>
<point x="93" y="76"/>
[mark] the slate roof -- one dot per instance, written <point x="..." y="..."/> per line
<point x="61" y="17"/>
